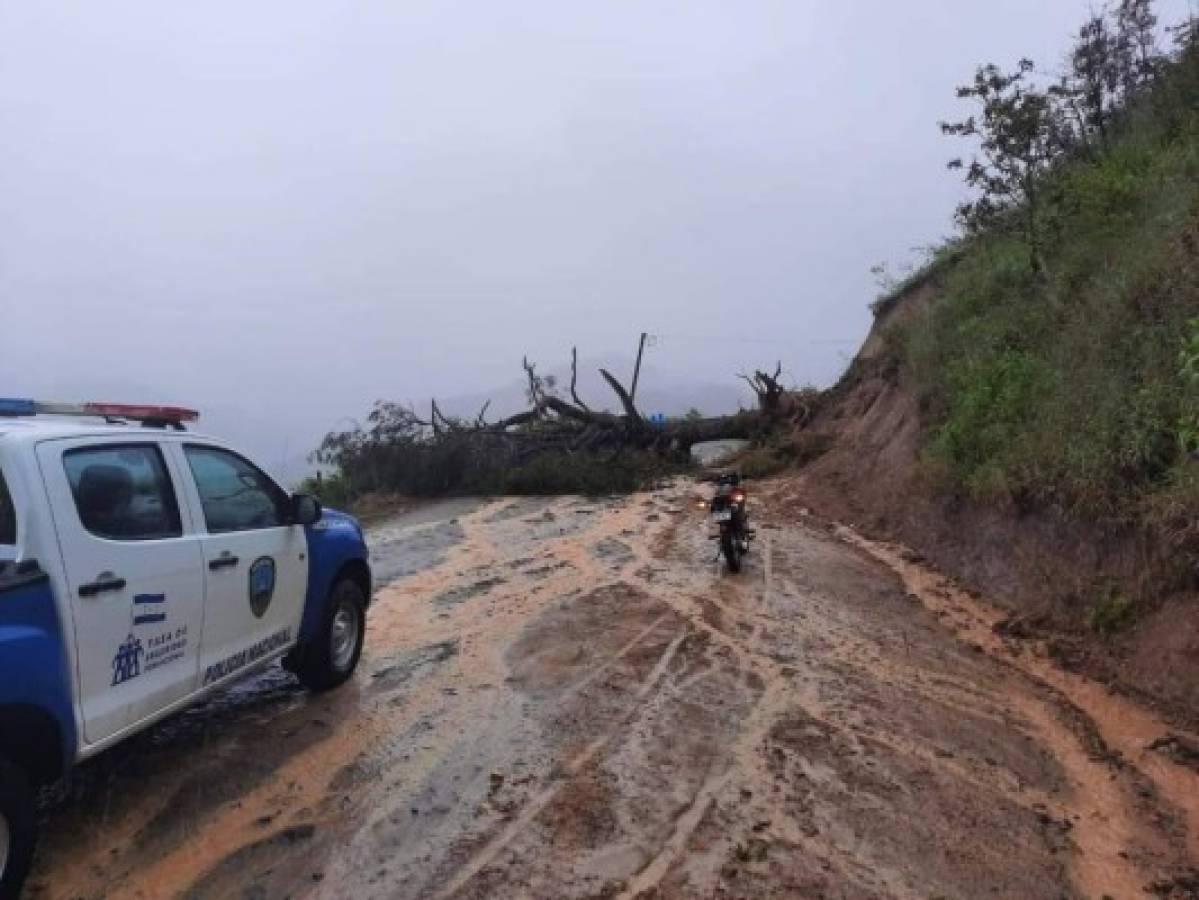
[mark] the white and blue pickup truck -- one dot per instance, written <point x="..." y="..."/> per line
<point x="143" y="566"/>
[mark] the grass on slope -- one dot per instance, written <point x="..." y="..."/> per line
<point x="1070" y="388"/>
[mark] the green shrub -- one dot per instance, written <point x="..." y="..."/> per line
<point x="990" y="402"/>
<point x="332" y="490"/>
<point x="1188" y="370"/>
<point x="780" y="454"/>
<point x="1112" y="613"/>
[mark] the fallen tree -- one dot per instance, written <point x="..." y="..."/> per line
<point x="556" y="444"/>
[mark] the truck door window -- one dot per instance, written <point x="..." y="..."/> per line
<point x="8" y="515"/>
<point x="235" y="495"/>
<point x="123" y="492"/>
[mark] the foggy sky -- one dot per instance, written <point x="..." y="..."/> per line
<point x="280" y="211"/>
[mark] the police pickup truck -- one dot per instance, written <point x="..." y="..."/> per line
<point x="143" y="566"/>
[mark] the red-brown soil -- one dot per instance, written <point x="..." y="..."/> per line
<point x="570" y="698"/>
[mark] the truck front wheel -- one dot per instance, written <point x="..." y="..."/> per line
<point x="18" y="829"/>
<point x="332" y="655"/>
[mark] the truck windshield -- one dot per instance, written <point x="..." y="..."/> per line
<point x="8" y="515"/>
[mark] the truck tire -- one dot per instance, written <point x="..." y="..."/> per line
<point x="332" y="655"/>
<point x="18" y="829"/>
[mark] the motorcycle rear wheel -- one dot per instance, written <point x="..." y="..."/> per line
<point x="730" y="547"/>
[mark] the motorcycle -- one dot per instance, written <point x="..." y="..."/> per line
<point x="727" y="511"/>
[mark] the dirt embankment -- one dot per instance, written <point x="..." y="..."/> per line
<point x="1047" y="570"/>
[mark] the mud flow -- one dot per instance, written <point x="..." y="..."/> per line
<point x="570" y="698"/>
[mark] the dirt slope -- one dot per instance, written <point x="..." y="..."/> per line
<point x="1042" y="567"/>
<point x="570" y="699"/>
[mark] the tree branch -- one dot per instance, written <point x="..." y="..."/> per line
<point x="574" y="374"/>
<point x="752" y="384"/>
<point x="626" y="401"/>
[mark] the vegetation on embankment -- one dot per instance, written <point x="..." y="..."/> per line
<point x="1057" y="361"/>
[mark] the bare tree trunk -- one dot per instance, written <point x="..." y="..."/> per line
<point x="767" y="388"/>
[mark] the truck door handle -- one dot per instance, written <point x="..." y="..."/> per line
<point x="224" y="561"/>
<point x="105" y="582"/>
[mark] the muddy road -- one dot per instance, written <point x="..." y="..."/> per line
<point x="568" y="698"/>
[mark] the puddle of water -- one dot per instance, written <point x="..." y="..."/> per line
<point x="405" y="551"/>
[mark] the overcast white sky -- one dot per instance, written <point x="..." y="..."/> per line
<point x="280" y="211"/>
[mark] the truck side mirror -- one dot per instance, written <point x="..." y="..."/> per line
<point x="305" y="509"/>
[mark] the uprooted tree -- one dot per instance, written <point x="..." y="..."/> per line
<point x="555" y="444"/>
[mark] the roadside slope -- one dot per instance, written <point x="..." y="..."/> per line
<point x="1025" y="411"/>
<point x="1049" y="570"/>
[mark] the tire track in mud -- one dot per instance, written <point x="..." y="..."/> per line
<point x="564" y="563"/>
<point x="1117" y="875"/>
<point x="739" y="623"/>
<point x="695" y="610"/>
<point x="782" y="698"/>
<point x="534" y="806"/>
<point x="685" y="822"/>
<point x="619" y="718"/>
<point x="649" y="877"/>
<point x="620" y="733"/>
<point x="1137" y="814"/>
<point x="743" y="764"/>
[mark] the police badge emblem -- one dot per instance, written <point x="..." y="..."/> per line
<point x="262" y="585"/>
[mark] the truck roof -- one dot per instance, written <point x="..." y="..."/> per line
<point x="39" y="428"/>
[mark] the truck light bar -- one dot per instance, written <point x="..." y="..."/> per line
<point x="140" y="412"/>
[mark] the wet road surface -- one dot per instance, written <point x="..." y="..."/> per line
<point x="569" y="698"/>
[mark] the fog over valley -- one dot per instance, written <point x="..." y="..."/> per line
<point x="282" y="212"/>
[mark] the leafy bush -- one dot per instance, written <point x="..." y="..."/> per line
<point x="1188" y="370"/>
<point x="331" y="490"/>
<point x="989" y="403"/>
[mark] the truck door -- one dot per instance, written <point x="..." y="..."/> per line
<point x="134" y="574"/>
<point x="255" y="561"/>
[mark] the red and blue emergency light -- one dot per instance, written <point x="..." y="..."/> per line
<point x="138" y="412"/>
